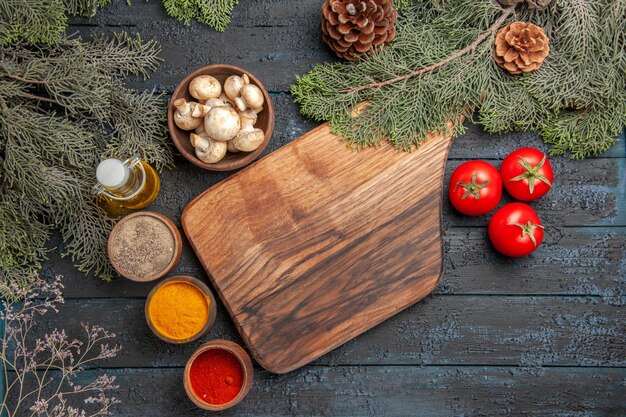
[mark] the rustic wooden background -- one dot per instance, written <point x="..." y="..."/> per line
<point x="542" y="335"/>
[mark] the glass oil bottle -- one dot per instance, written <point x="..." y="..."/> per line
<point x="124" y="186"/>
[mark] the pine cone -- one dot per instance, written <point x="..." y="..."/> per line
<point x="354" y="27"/>
<point x="521" y="47"/>
<point x="532" y="4"/>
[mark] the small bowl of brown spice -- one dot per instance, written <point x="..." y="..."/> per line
<point x="144" y="246"/>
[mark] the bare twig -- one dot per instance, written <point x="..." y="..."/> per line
<point x="25" y="356"/>
<point x="468" y="49"/>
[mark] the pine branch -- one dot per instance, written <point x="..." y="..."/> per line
<point x="36" y="21"/>
<point x="440" y="67"/>
<point x="214" y="13"/>
<point x="138" y="127"/>
<point x="22" y="237"/>
<point x="26" y="80"/>
<point x="467" y="50"/>
<point x="583" y="132"/>
<point x="85" y="8"/>
<point x="85" y="233"/>
<point x="402" y="4"/>
<point x="45" y="21"/>
<point x="123" y="54"/>
<point x="41" y="21"/>
<point x="62" y="109"/>
<point x="40" y="98"/>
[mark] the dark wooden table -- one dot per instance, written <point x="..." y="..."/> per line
<point x="542" y="335"/>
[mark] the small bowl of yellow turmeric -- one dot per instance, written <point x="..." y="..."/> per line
<point x="180" y="309"/>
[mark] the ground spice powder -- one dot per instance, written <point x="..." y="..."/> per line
<point x="216" y="376"/>
<point x="142" y="247"/>
<point x="178" y="310"/>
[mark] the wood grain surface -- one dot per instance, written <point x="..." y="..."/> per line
<point x="532" y="333"/>
<point x="317" y="243"/>
<point x="538" y="336"/>
<point x="394" y="391"/>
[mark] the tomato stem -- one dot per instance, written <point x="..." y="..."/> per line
<point x="532" y="173"/>
<point x="527" y="229"/>
<point x="471" y="188"/>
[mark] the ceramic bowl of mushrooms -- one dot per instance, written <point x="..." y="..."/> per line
<point x="220" y="117"/>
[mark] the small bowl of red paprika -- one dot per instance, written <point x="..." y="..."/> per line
<point x="218" y="375"/>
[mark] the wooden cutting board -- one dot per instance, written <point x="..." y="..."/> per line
<point x="315" y="243"/>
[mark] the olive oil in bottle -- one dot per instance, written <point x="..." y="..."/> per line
<point x="124" y="186"/>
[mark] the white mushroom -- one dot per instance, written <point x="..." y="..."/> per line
<point x="231" y="147"/>
<point x="251" y="98"/>
<point x="222" y="123"/>
<point x="234" y="84"/>
<point x="226" y="99"/>
<point x="183" y="117"/>
<point x="200" y="129"/>
<point x="217" y="102"/>
<point x="199" y="110"/>
<point x="249" y="138"/>
<point x="208" y="150"/>
<point x="204" y="87"/>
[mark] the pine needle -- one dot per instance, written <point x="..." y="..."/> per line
<point x="214" y="13"/>
<point x="440" y="67"/>
<point x="48" y="153"/>
<point x="45" y="21"/>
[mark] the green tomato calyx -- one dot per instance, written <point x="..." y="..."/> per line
<point x="532" y="173"/>
<point x="527" y="230"/>
<point x="471" y="188"/>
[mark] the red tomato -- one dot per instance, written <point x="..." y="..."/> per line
<point x="515" y="230"/>
<point x="527" y="174"/>
<point x="475" y="188"/>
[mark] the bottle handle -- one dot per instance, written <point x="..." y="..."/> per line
<point x="133" y="161"/>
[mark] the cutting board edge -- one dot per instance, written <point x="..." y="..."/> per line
<point x="206" y="268"/>
<point x="283" y="370"/>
